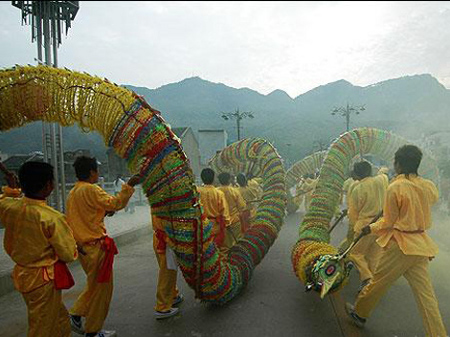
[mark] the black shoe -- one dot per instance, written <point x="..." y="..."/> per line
<point x="363" y="284"/>
<point x="76" y="324"/>
<point x="358" y="321"/>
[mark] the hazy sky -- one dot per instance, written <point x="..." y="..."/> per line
<point x="260" y="45"/>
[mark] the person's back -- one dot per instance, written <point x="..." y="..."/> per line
<point x="409" y="223"/>
<point x="235" y="202"/>
<point x="366" y="200"/>
<point x="38" y="238"/>
<point x="236" y="206"/>
<point x="214" y="203"/>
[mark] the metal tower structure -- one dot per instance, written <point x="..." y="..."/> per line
<point x="48" y="20"/>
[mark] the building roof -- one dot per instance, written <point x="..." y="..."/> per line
<point x="16" y="161"/>
<point x="218" y="130"/>
<point x="180" y="131"/>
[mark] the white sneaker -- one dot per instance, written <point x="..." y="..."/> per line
<point x="166" y="314"/>
<point x="104" y="333"/>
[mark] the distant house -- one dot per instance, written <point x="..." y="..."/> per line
<point x="210" y="142"/>
<point x="15" y="161"/>
<point x="190" y="147"/>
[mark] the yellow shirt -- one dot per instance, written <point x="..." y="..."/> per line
<point x="235" y="202"/>
<point x="214" y="205"/>
<point x="308" y="188"/>
<point x="348" y="185"/>
<point x="86" y="207"/>
<point x="36" y="236"/>
<point x="366" y="200"/>
<point x="408" y="209"/>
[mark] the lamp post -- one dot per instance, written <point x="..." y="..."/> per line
<point x="238" y="115"/>
<point x="347" y="111"/>
<point x="47" y="19"/>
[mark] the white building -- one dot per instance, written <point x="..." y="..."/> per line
<point x="211" y="141"/>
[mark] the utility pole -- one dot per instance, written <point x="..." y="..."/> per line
<point x="347" y="111"/>
<point x="47" y="19"/>
<point x="238" y="116"/>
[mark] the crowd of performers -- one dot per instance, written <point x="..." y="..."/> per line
<point x="41" y="241"/>
<point x="390" y="219"/>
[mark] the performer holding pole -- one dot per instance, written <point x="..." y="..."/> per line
<point x="407" y="248"/>
<point x="365" y="201"/>
<point x="87" y="206"/>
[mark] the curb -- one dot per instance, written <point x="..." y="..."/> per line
<point x="121" y="239"/>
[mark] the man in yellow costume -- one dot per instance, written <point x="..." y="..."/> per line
<point x="87" y="206"/>
<point x="251" y="192"/>
<point x="307" y="189"/>
<point x="365" y="202"/>
<point x="236" y="206"/>
<point x="214" y="206"/>
<point x="37" y="238"/>
<point x="407" y="248"/>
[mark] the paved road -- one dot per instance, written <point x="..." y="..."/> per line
<point x="273" y="304"/>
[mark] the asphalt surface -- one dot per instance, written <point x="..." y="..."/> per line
<point x="273" y="304"/>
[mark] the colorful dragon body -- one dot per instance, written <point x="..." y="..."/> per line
<point x="139" y="134"/>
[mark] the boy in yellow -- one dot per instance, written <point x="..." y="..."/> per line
<point x="214" y="205"/>
<point x="365" y="202"/>
<point x="87" y="206"/>
<point x="236" y="206"/>
<point x="407" y="248"/>
<point x="36" y="237"/>
<point x="307" y="189"/>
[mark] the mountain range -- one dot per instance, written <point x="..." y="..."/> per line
<point x="410" y="106"/>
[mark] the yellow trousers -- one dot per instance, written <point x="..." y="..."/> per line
<point x="166" y="290"/>
<point x="47" y="315"/>
<point x="232" y="235"/>
<point x="392" y="265"/>
<point x="93" y="302"/>
<point x="366" y="254"/>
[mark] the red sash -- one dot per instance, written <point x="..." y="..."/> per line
<point x="110" y="248"/>
<point x="63" y="278"/>
<point x="161" y="244"/>
<point x="220" y="237"/>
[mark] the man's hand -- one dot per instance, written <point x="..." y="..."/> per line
<point x="134" y="180"/>
<point x="109" y="213"/>
<point x="12" y="180"/>
<point x="366" y="230"/>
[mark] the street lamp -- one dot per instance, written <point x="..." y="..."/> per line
<point x="238" y="116"/>
<point x="347" y="111"/>
<point x="48" y="20"/>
